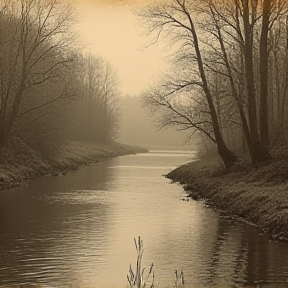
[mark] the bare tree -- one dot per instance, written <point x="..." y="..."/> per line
<point x="179" y="105"/>
<point x="34" y="41"/>
<point x="176" y="16"/>
<point x="237" y="24"/>
<point x="96" y="109"/>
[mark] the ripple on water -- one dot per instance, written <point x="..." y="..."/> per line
<point x="77" y="230"/>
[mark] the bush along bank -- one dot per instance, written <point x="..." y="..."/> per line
<point x="19" y="162"/>
<point x="256" y="195"/>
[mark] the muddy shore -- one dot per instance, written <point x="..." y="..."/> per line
<point x="255" y="195"/>
<point x="20" y="166"/>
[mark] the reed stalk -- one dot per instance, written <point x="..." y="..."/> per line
<point x="136" y="278"/>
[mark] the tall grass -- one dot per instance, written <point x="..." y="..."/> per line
<point x="179" y="279"/>
<point x="137" y="279"/>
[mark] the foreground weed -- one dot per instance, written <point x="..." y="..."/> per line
<point x="136" y="278"/>
<point x="179" y="279"/>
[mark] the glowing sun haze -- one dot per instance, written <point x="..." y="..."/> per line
<point x="111" y="30"/>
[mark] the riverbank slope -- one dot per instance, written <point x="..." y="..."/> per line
<point x="21" y="163"/>
<point x="257" y="195"/>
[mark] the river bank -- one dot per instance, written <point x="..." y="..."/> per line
<point x="256" y="195"/>
<point x="22" y="163"/>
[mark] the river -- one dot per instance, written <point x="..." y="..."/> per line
<point x="77" y="230"/>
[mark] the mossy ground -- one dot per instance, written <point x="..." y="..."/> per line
<point x="19" y="162"/>
<point x="256" y="194"/>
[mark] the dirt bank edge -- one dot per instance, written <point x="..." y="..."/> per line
<point x="20" y="166"/>
<point x="263" y="202"/>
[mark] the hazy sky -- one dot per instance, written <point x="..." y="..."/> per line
<point x="110" y="29"/>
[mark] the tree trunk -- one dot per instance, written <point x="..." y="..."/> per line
<point x="259" y="152"/>
<point x="285" y="92"/>
<point x="227" y="156"/>
<point x="263" y="112"/>
<point x="239" y="102"/>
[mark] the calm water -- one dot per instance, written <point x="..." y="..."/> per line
<point x="77" y="230"/>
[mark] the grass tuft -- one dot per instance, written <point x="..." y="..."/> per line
<point x="255" y="194"/>
<point x="136" y="279"/>
<point x="179" y="279"/>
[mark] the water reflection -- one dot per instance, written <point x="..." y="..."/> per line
<point x="45" y="227"/>
<point x="78" y="230"/>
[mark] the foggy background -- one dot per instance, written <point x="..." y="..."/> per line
<point x="138" y="127"/>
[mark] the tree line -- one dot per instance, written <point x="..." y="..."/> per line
<point x="49" y="91"/>
<point x="228" y="80"/>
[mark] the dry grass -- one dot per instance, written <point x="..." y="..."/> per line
<point x="19" y="162"/>
<point x="258" y="195"/>
<point x="136" y="277"/>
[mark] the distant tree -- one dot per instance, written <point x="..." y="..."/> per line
<point x="96" y="109"/>
<point x="44" y="124"/>
<point x="278" y="79"/>
<point x="34" y="58"/>
<point x="105" y="93"/>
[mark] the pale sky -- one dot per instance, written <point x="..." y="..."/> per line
<point x="111" y="31"/>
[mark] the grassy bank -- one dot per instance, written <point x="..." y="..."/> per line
<point x="257" y="195"/>
<point x="19" y="162"/>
